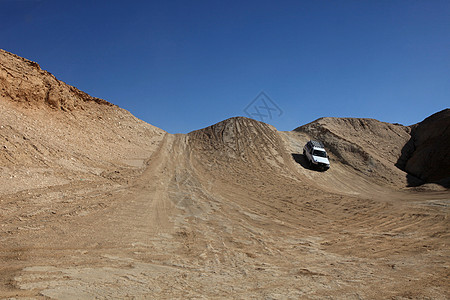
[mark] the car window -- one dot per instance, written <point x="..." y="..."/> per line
<point x="319" y="153"/>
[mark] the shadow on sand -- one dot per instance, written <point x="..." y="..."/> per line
<point x="303" y="161"/>
<point x="406" y="153"/>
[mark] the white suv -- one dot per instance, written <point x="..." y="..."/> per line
<point x="316" y="155"/>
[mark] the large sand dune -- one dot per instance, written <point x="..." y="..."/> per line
<point x="95" y="203"/>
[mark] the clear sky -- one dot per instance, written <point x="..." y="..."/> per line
<point x="184" y="65"/>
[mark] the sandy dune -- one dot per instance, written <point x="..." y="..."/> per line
<point x="95" y="203"/>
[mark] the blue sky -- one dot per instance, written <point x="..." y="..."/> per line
<point x="184" y="65"/>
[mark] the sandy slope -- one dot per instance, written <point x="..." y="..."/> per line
<point x="128" y="211"/>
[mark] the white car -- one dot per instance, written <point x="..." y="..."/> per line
<point x="315" y="153"/>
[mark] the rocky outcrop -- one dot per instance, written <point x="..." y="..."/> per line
<point x="23" y="81"/>
<point x="427" y="154"/>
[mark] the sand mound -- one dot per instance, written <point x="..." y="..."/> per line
<point x="369" y="146"/>
<point x="52" y="133"/>
<point x="239" y="141"/>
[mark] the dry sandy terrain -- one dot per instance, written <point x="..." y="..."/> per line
<point x="95" y="203"/>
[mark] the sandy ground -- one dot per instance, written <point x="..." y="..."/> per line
<point x="182" y="229"/>
<point x="95" y="203"/>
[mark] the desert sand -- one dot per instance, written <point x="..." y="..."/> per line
<point x="95" y="203"/>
